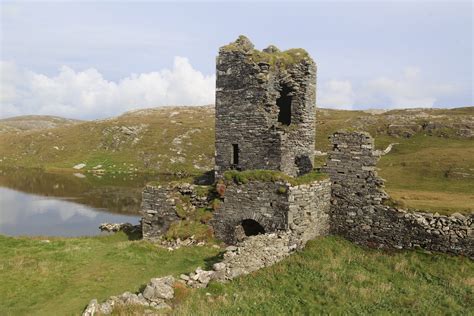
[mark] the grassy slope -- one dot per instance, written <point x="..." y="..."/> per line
<point x="421" y="173"/>
<point x="333" y="276"/>
<point x="23" y="123"/>
<point x="418" y="171"/>
<point x="60" y="277"/>
<point x="169" y="140"/>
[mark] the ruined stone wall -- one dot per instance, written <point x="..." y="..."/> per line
<point x="276" y="206"/>
<point x="309" y="206"/>
<point x="358" y="213"/>
<point x="249" y="83"/>
<point x="163" y="204"/>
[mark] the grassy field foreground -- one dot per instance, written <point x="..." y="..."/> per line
<point x="330" y="276"/>
<point x="61" y="276"/>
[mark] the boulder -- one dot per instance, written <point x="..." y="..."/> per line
<point x="92" y="308"/>
<point x="159" y="289"/>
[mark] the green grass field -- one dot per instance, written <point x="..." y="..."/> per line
<point x="60" y="277"/>
<point x="330" y="276"/>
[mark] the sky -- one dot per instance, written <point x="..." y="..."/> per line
<point x="91" y="59"/>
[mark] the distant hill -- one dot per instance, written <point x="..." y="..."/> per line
<point x="433" y="160"/>
<point x="33" y="123"/>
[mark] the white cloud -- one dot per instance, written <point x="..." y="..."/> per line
<point x="87" y="94"/>
<point x="336" y="94"/>
<point x="409" y="90"/>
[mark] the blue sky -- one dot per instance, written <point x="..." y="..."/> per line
<point x="93" y="60"/>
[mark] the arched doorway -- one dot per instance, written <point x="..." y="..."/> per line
<point x="252" y="228"/>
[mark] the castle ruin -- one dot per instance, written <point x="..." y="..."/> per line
<point x="265" y="140"/>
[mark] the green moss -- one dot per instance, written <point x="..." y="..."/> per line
<point x="243" y="177"/>
<point x="203" y="215"/>
<point x="282" y="190"/>
<point x="282" y="59"/>
<point x="203" y="190"/>
<point x="188" y="228"/>
<point x="276" y="58"/>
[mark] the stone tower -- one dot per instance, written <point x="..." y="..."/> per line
<point x="265" y="109"/>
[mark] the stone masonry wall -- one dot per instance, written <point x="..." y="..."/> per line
<point x="161" y="203"/>
<point x="308" y="215"/>
<point x="248" y="85"/>
<point x="359" y="214"/>
<point x="276" y="206"/>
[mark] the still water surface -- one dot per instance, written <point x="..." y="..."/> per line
<point x="36" y="203"/>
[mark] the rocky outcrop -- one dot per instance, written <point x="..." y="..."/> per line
<point x="117" y="227"/>
<point x="116" y="137"/>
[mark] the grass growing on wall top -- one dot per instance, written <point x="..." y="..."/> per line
<point x="242" y="177"/>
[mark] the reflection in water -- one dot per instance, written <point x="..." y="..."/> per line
<point x="115" y="193"/>
<point x="33" y="202"/>
<point x="28" y="214"/>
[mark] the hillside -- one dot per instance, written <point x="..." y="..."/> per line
<point x="432" y="165"/>
<point x="33" y="123"/>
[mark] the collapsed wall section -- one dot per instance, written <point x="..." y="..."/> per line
<point x="359" y="214"/>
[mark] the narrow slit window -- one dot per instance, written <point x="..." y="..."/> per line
<point x="284" y="106"/>
<point x="235" y="154"/>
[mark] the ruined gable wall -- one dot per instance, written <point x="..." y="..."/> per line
<point x="358" y="214"/>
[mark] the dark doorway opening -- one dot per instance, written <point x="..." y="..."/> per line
<point x="252" y="228"/>
<point x="304" y="164"/>
<point x="284" y="106"/>
<point x="235" y="154"/>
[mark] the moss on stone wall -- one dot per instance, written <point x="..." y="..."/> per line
<point x="271" y="56"/>
<point x="242" y="177"/>
<point x="283" y="59"/>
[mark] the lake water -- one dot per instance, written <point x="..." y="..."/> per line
<point x="36" y="203"/>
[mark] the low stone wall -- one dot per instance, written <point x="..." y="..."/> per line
<point x="359" y="214"/>
<point x="163" y="204"/>
<point x="276" y="206"/>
